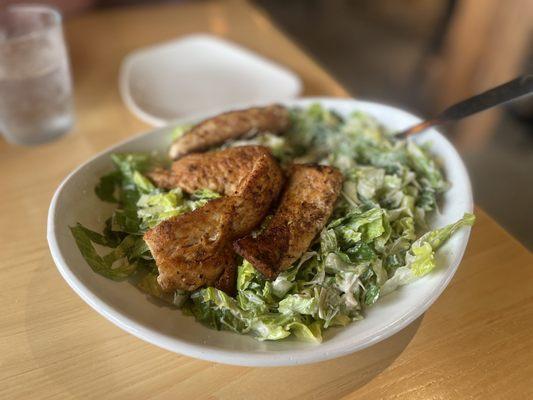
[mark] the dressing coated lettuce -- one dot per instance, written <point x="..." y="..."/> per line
<point x="376" y="240"/>
<point x="332" y="287"/>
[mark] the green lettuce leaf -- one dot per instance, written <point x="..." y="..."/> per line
<point x="424" y="165"/>
<point x="158" y="206"/>
<point x="205" y="194"/>
<point x="371" y="294"/>
<point x="129" y="163"/>
<point x="179" y="131"/>
<point x="298" y="304"/>
<point x="95" y="237"/>
<point x="279" y="145"/>
<point x="357" y="226"/>
<point x="201" y="197"/>
<point x="218" y="310"/>
<point x="306" y="333"/>
<point x="133" y="184"/>
<point x="115" y="265"/>
<point x="420" y="258"/>
<point x="107" y="187"/>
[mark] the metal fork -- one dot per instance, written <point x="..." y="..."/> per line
<point x="509" y="91"/>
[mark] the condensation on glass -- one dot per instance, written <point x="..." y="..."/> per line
<point x="35" y="82"/>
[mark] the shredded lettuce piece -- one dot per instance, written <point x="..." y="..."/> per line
<point x="298" y="304"/>
<point x="220" y="311"/>
<point x="179" y="131"/>
<point x="158" y="206"/>
<point x="278" y="145"/>
<point x="107" y="186"/>
<point x="369" y="246"/>
<point x="420" y="259"/>
<point x="115" y="265"/>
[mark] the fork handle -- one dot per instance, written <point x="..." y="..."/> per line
<point x="511" y="90"/>
<point x="499" y="95"/>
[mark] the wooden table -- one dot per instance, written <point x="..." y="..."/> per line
<point x="476" y="341"/>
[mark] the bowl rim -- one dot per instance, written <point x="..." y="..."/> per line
<point x="268" y="359"/>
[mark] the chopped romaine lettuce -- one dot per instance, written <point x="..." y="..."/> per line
<point x="156" y="207"/>
<point x="107" y="186"/>
<point x="115" y="265"/>
<point x="376" y="240"/>
<point x="420" y="259"/>
<point x="179" y="131"/>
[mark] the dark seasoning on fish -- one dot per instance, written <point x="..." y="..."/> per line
<point x="243" y="237"/>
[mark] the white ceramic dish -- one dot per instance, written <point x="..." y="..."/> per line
<point x="128" y="308"/>
<point x="199" y="73"/>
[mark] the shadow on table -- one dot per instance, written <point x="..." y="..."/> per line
<point x="92" y="358"/>
<point x="331" y="379"/>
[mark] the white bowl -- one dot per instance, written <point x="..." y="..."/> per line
<point x="199" y="73"/>
<point x="125" y="306"/>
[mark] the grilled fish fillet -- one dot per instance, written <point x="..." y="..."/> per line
<point x="221" y="171"/>
<point x="255" y="195"/>
<point x="195" y="249"/>
<point x="305" y="207"/>
<point x="231" y="125"/>
<point x="191" y="250"/>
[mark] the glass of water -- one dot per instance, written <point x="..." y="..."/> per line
<point x="35" y="83"/>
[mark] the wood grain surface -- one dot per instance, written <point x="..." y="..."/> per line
<point x="475" y="342"/>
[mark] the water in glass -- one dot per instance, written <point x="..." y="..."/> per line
<point x="35" y="83"/>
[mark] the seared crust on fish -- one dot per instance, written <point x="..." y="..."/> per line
<point x="266" y="251"/>
<point x="193" y="250"/>
<point x="221" y="171"/>
<point x="227" y="282"/>
<point x="304" y="209"/>
<point x="231" y="125"/>
<point x="255" y="195"/>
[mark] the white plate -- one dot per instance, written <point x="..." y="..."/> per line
<point x="128" y="308"/>
<point x="199" y="74"/>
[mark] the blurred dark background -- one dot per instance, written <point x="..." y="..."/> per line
<point x="423" y="56"/>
